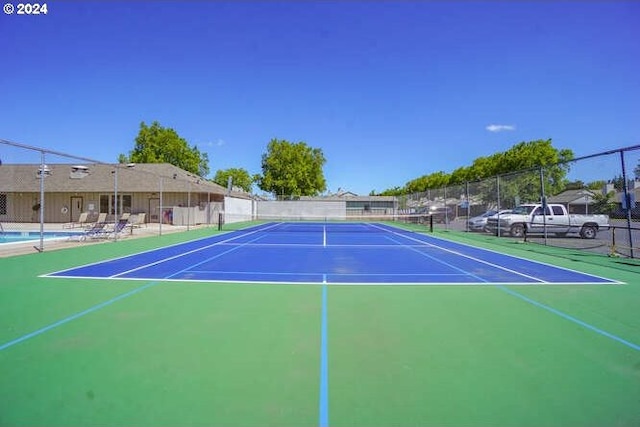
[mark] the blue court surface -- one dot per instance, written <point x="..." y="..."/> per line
<point x="330" y="253"/>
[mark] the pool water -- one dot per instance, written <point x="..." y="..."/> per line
<point x="26" y="236"/>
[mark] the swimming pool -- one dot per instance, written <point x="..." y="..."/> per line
<point x="9" y="237"/>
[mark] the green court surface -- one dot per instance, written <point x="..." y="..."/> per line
<point x="86" y="352"/>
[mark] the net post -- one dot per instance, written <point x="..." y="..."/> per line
<point x="220" y="220"/>
<point x="613" y="241"/>
<point x="430" y="223"/>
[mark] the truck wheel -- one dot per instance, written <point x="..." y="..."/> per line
<point x="517" y="230"/>
<point x="588" y="232"/>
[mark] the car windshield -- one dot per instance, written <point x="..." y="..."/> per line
<point x="522" y="210"/>
<point x="489" y="213"/>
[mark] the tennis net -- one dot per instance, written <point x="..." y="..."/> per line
<point x="335" y="224"/>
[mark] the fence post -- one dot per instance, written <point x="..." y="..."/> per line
<point x="43" y="173"/>
<point x="498" y="201"/>
<point x="466" y="197"/>
<point x="613" y="241"/>
<point x="115" y="203"/>
<point x="189" y="205"/>
<point x="543" y="201"/>
<point x="161" y="213"/>
<point x="627" y="200"/>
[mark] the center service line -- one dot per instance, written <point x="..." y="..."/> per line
<point x="324" y="361"/>
<point x="324" y="235"/>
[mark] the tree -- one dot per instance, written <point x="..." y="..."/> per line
<point x="292" y="169"/>
<point x="530" y="158"/>
<point x="604" y="203"/>
<point x="157" y="144"/>
<point x="239" y="177"/>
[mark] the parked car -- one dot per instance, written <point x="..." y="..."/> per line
<point x="442" y="215"/>
<point x="478" y="223"/>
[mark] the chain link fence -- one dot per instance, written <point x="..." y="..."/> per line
<point x="48" y="197"/>
<point x="597" y="191"/>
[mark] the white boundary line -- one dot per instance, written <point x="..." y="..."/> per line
<point x="319" y="282"/>
<point x="481" y="261"/>
<point x="142" y="267"/>
<point x="165" y="247"/>
<point x="423" y="243"/>
<point x="610" y="281"/>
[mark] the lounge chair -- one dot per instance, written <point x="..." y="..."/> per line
<point x="102" y="219"/>
<point x="138" y="220"/>
<point x="81" y="222"/>
<point x="117" y="230"/>
<point x="95" y="231"/>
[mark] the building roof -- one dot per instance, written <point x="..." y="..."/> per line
<point x="580" y="196"/>
<point x="143" y="177"/>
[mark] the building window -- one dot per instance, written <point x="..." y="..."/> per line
<point x="108" y="205"/>
<point x="3" y="204"/>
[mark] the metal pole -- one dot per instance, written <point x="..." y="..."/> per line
<point x="627" y="200"/>
<point x="446" y="216"/>
<point x="543" y="200"/>
<point x="40" y="248"/>
<point x="498" y="198"/>
<point x="466" y="197"/>
<point x="188" y="204"/>
<point x="161" y="213"/>
<point x="115" y="205"/>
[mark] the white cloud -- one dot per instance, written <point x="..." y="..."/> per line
<point x="217" y="143"/>
<point x="500" y="128"/>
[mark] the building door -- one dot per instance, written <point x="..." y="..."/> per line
<point x="76" y="208"/>
<point x="154" y="210"/>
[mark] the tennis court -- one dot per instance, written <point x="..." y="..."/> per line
<point x="319" y="323"/>
<point x="330" y="253"/>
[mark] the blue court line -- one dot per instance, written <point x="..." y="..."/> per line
<point x="571" y="318"/>
<point x="75" y="316"/>
<point x="324" y="362"/>
<point x="98" y="306"/>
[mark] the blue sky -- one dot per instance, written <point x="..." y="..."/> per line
<point x="388" y="90"/>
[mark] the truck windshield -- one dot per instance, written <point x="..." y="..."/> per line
<point x="522" y="210"/>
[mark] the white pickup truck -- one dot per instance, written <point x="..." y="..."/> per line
<point x="532" y="219"/>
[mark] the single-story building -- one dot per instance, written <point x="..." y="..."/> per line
<point x="361" y="205"/>
<point x="576" y="201"/>
<point x="158" y="190"/>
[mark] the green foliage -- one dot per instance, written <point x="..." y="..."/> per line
<point x="156" y="144"/>
<point x="239" y="176"/>
<point x="528" y="157"/>
<point x="596" y="185"/>
<point x="604" y="203"/>
<point x="292" y="169"/>
<point x="574" y="185"/>
<point x="395" y="191"/>
<point x="618" y="182"/>
<point x="434" y="180"/>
